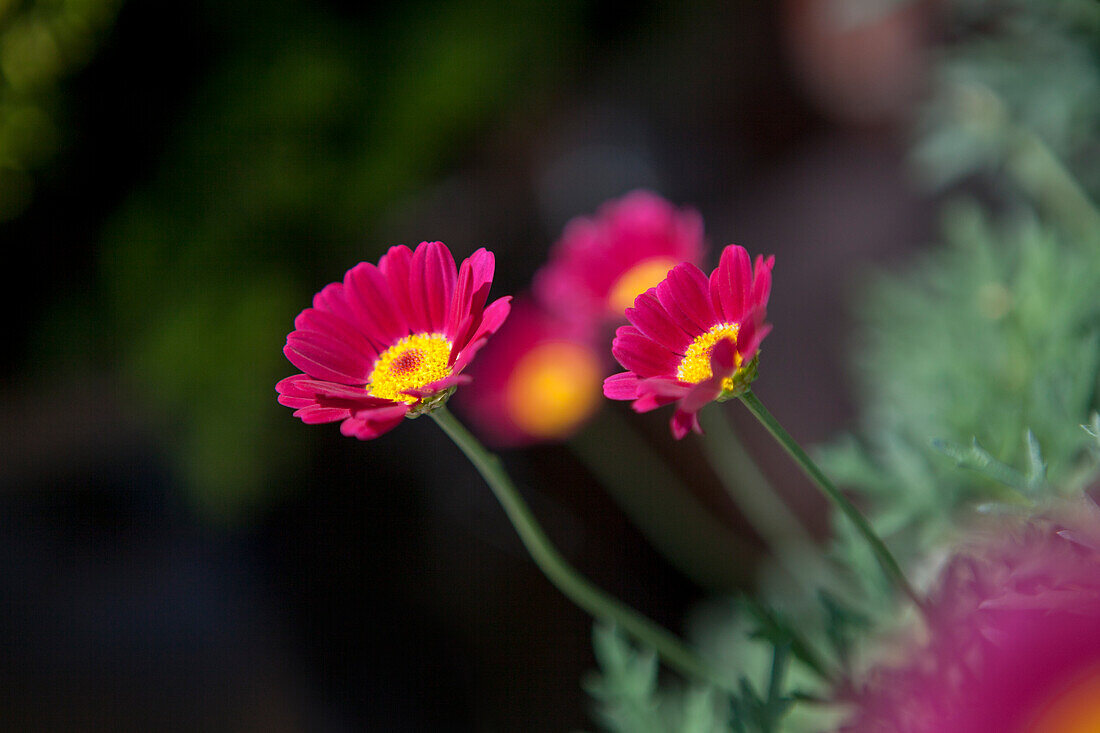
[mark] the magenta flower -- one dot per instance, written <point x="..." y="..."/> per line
<point x="692" y="340"/>
<point x="390" y="341"/>
<point x="1013" y="642"/>
<point x="601" y="264"/>
<point x="539" y="380"/>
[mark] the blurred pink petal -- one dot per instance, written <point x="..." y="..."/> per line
<point x="537" y="381"/>
<point x="601" y="264"/>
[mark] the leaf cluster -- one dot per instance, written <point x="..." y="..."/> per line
<point x="628" y="697"/>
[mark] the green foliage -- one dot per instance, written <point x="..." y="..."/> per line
<point x="1020" y="64"/>
<point x="976" y="458"/>
<point x="992" y="341"/>
<point x="977" y="363"/>
<point x="629" y="700"/>
<point x="627" y="696"/>
<point x="781" y="680"/>
<point x="41" y="43"/>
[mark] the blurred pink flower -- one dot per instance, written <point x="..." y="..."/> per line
<point x="1014" y="639"/>
<point x="390" y="341"/>
<point x="539" y="380"/>
<point x="693" y="340"/>
<point x="601" y="264"/>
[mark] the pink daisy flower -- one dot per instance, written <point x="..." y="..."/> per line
<point x="693" y="340"/>
<point x="601" y="264"/>
<point x="390" y="341"/>
<point x="539" y="381"/>
<point x="1013" y="642"/>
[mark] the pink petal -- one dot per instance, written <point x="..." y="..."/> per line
<point x="439" y="385"/>
<point x="464" y="357"/>
<point x="382" y="414"/>
<point x="466" y="328"/>
<point x="641" y="355"/>
<point x="303" y="386"/>
<point x="729" y="283"/>
<point x="433" y="283"/>
<point x="723" y="361"/>
<point x="294" y="386"/>
<point x="722" y="365"/>
<point x="370" y="297"/>
<point x="491" y="320"/>
<point x="334" y="391"/>
<point x="296" y="401"/>
<point x="325" y="322"/>
<point x="692" y="291"/>
<point x="752" y="332"/>
<point x="475" y="276"/>
<point x="664" y="387"/>
<point x="621" y="386"/>
<point x="316" y="414"/>
<point x="652" y="320"/>
<point x="324" y="357"/>
<point x="333" y="299"/>
<point x="683" y="422"/>
<point x="701" y="394"/>
<point x="658" y="392"/>
<point x="396" y="265"/>
<point x="372" y="423"/>
<point x="761" y="282"/>
<point x="683" y="295"/>
<point x="300" y="390"/>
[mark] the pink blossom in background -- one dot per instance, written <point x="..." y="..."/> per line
<point x="602" y="263"/>
<point x="692" y="340"/>
<point x="391" y="340"/>
<point x="1014" y="639"/>
<point x="539" y="380"/>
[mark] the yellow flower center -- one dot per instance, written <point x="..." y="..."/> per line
<point x="553" y="387"/>
<point x="1076" y="710"/>
<point x="636" y="281"/>
<point x="695" y="366"/>
<point x="411" y="363"/>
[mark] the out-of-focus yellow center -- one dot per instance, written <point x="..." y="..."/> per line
<point x="636" y="281"/>
<point x="411" y="363"/>
<point x="1077" y="710"/>
<point x="553" y="387"/>
<point x="695" y="366"/>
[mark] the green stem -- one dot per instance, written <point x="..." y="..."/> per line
<point x="653" y="496"/>
<point x="1032" y="163"/>
<point x="757" y="500"/>
<point x="775" y="703"/>
<point x="882" y="554"/>
<point x="578" y="589"/>
<point x="1040" y="172"/>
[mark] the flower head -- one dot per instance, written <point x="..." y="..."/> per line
<point x="601" y="264"/>
<point x="539" y="380"/>
<point x="693" y="340"/>
<point x="390" y="341"/>
<point x="1013" y="642"/>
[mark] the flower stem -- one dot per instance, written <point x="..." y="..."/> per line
<point x="754" y="496"/>
<point x="652" y="495"/>
<point x="1044" y="176"/>
<point x="577" y="588"/>
<point x="889" y="565"/>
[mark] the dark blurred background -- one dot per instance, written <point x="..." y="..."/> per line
<point x="177" y="180"/>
